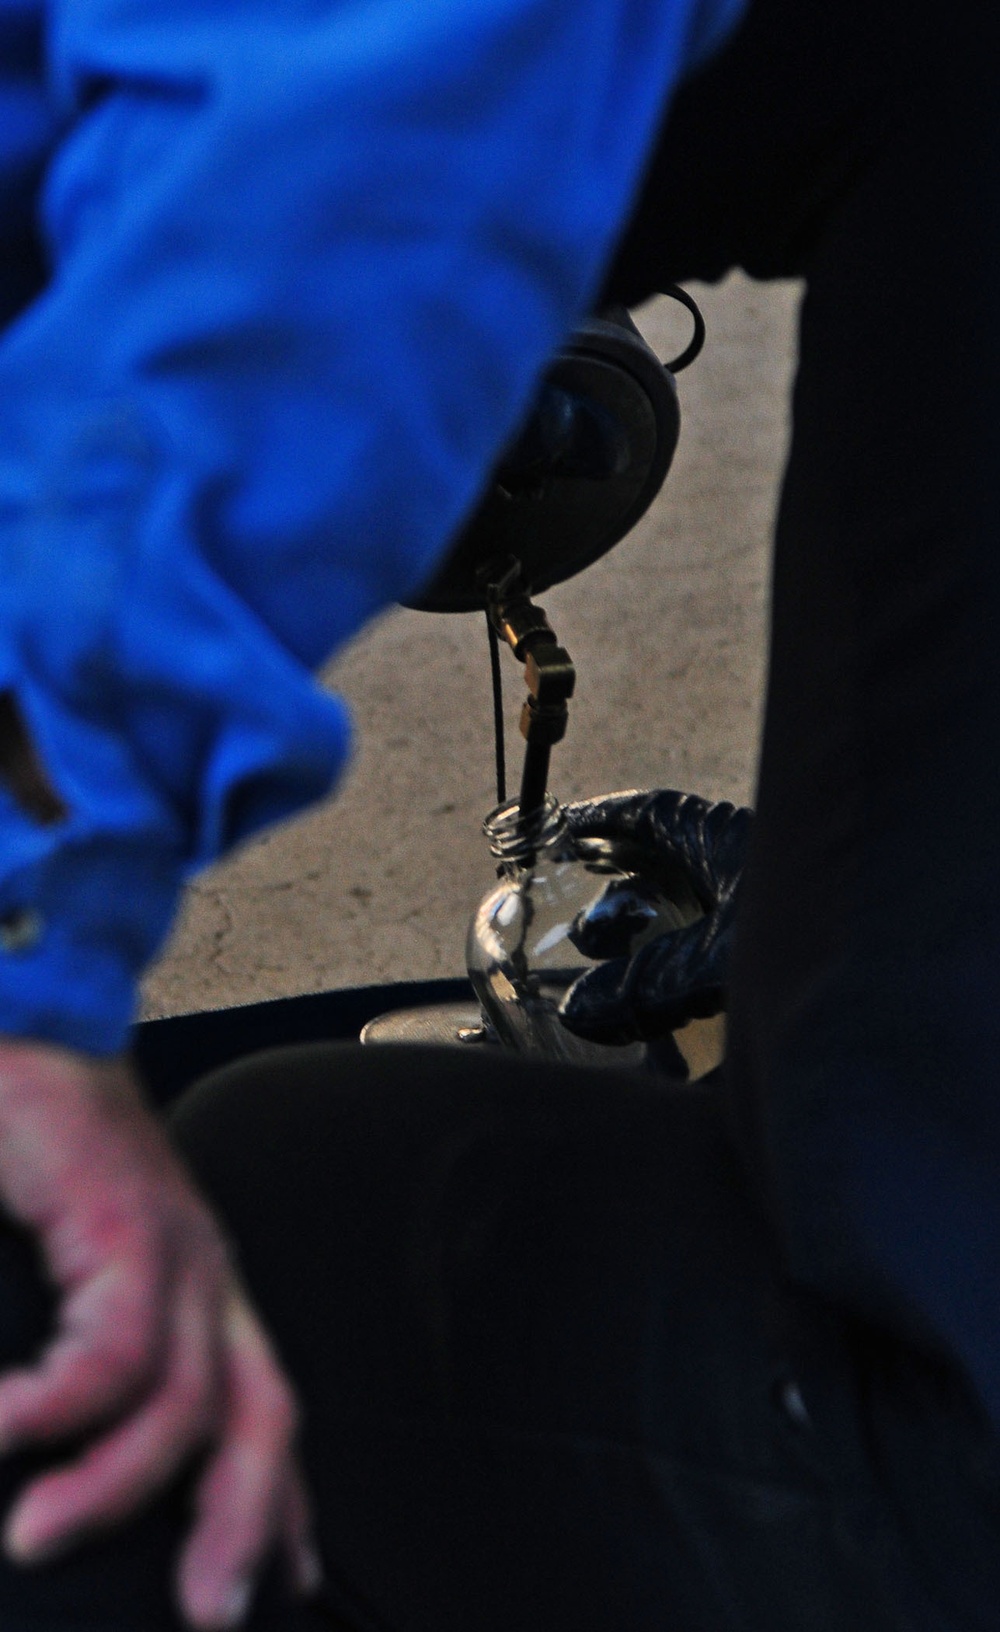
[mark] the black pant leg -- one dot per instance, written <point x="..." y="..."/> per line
<point x="541" y="1343"/>
<point x="858" y="146"/>
<point x="864" y="1055"/>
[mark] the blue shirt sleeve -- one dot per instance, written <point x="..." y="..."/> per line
<point x="306" y="265"/>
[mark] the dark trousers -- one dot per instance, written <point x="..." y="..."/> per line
<point x="858" y="145"/>
<point x="601" y="1354"/>
<point x="550" y="1365"/>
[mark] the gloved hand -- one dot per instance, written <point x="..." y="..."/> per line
<point x="680" y="975"/>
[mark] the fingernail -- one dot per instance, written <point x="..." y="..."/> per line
<point x="236" y="1605"/>
<point x="14" y="1542"/>
<point x="24" y="1547"/>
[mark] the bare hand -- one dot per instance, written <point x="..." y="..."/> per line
<point x="157" y="1353"/>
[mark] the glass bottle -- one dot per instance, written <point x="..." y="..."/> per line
<point x="558" y="900"/>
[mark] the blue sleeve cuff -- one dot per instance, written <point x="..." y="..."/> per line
<point x="87" y="902"/>
<point x="71" y="978"/>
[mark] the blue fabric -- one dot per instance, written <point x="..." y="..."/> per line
<point x="305" y="264"/>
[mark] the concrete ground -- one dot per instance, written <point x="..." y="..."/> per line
<point x="668" y="634"/>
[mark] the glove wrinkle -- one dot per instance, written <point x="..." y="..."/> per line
<point x="681" y="975"/>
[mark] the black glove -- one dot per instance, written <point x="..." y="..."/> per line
<point x="680" y="975"/>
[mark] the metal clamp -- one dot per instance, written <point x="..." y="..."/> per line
<point x="549" y="674"/>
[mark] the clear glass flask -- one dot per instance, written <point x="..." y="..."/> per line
<point x="559" y="899"/>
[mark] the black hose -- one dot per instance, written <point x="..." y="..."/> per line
<point x="498" y="734"/>
<point x="690" y="352"/>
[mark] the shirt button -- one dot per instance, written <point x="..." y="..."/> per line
<point x="20" y="930"/>
<point x="792" y="1404"/>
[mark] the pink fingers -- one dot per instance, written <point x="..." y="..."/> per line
<point x="243" y="1496"/>
<point x="121" y="1471"/>
<point x="108" y="1352"/>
